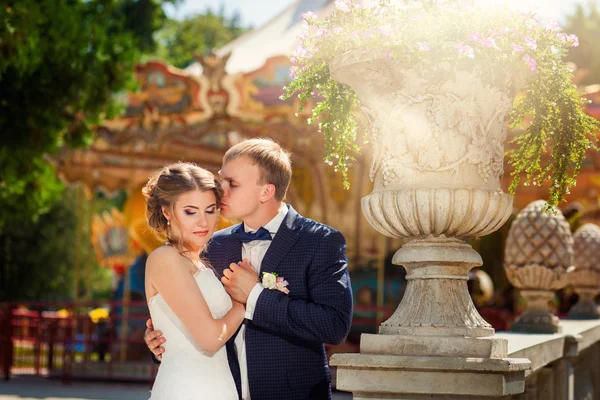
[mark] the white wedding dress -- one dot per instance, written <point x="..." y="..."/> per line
<point x="188" y="372"/>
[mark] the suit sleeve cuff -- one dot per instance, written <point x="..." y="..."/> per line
<point x="252" y="299"/>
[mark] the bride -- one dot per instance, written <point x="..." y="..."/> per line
<point x="187" y="301"/>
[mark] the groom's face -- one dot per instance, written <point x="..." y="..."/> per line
<point x="241" y="189"/>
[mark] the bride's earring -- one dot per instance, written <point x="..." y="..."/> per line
<point x="168" y="222"/>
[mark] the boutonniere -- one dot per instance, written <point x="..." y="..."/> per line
<point x="272" y="281"/>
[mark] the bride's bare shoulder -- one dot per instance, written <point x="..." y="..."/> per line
<point x="163" y="256"/>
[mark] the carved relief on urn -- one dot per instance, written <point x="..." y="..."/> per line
<point x="538" y="258"/>
<point x="586" y="278"/>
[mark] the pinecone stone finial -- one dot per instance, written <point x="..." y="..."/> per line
<point x="537" y="259"/>
<point x="586" y="278"/>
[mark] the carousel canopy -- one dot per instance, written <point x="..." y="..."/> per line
<point x="278" y="37"/>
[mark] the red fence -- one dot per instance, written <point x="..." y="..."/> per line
<point x="68" y="344"/>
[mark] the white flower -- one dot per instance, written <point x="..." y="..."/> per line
<point x="272" y="281"/>
<point x="269" y="280"/>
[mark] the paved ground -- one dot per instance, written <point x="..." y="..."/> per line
<point x="31" y="388"/>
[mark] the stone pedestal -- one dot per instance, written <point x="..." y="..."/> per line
<point x="537" y="318"/>
<point x="586" y="307"/>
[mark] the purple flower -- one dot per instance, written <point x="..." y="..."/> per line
<point x="319" y="34"/>
<point x="309" y="15"/>
<point x="517" y="48"/>
<point x="300" y="51"/>
<point x="388" y="55"/>
<point x="475" y="37"/>
<point x="489" y="42"/>
<point x="293" y="60"/>
<point x="573" y="39"/>
<point x="303" y="34"/>
<point x="423" y="47"/>
<point x="531" y="62"/>
<point x="553" y="26"/>
<point x="293" y="71"/>
<point x="531" y="43"/>
<point x="466" y="50"/>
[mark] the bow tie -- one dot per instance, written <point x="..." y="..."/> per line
<point x="260" y="234"/>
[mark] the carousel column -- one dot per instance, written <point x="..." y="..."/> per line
<point x="538" y="257"/>
<point x="586" y="277"/>
<point x="437" y="161"/>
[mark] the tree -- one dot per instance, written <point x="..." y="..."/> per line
<point x="37" y="259"/>
<point x="201" y="33"/>
<point x="61" y="61"/>
<point x="585" y="23"/>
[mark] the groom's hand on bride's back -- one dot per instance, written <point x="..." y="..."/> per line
<point x="154" y="340"/>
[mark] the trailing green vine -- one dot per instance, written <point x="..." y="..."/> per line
<point x="550" y="110"/>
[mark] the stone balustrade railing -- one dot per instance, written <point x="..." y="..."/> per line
<point x="564" y="366"/>
<point x="560" y="366"/>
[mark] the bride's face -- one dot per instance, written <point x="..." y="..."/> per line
<point x="195" y="218"/>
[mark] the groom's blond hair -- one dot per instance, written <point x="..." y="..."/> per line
<point x="273" y="162"/>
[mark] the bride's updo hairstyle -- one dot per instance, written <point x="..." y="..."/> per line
<point x="166" y="185"/>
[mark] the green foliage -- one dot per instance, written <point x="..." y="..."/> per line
<point x="499" y="41"/>
<point x="143" y="18"/>
<point x="37" y="261"/>
<point x="199" y="34"/>
<point x="559" y="124"/>
<point x="585" y="23"/>
<point x="60" y="64"/>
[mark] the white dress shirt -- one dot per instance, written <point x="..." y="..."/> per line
<point x="254" y="252"/>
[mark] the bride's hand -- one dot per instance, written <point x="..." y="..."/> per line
<point x="237" y="304"/>
<point x="245" y="264"/>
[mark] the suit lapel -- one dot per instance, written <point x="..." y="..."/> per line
<point x="232" y="250"/>
<point x="284" y="240"/>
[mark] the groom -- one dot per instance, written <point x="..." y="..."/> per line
<point x="278" y="352"/>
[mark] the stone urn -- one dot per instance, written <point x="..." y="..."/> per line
<point x="586" y="277"/>
<point x="438" y="144"/>
<point x="538" y="258"/>
<point x="437" y="135"/>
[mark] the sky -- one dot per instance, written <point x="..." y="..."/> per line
<point x="258" y="12"/>
<point x="252" y="12"/>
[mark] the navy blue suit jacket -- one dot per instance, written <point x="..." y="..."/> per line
<point x="285" y="354"/>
